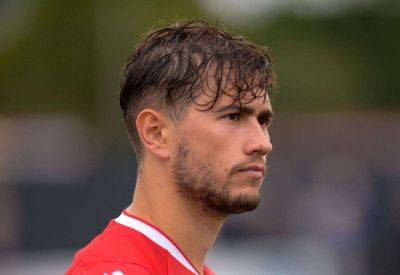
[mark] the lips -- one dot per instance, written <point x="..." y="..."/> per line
<point x="254" y="169"/>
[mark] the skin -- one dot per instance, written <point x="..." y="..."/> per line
<point x="209" y="149"/>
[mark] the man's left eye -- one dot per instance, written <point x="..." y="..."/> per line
<point x="265" y="121"/>
<point x="262" y="120"/>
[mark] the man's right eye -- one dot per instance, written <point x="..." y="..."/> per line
<point x="234" y="116"/>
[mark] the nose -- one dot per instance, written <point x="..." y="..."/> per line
<point x="258" y="141"/>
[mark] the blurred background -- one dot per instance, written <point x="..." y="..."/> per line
<point x="331" y="201"/>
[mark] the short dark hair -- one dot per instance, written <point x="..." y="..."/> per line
<point x="173" y="65"/>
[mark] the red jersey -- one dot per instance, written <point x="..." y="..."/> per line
<point x="130" y="245"/>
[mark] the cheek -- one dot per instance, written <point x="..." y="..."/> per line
<point x="207" y="139"/>
<point x="214" y="150"/>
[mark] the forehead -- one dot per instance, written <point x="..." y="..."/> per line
<point x="256" y="99"/>
<point x="225" y="86"/>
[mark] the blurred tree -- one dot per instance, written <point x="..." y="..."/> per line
<point x="70" y="56"/>
<point x="344" y="62"/>
<point x="50" y="69"/>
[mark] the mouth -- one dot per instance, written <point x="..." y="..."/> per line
<point x="252" y="174"/>
<point x="254" y="171"/>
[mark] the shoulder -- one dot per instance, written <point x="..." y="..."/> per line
<point x="107" y="268"/>
<point x="116" y="247"/>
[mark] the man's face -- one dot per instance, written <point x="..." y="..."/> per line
<point x="221" y="154"/>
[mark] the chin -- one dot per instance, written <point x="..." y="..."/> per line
<point x="245" y="199"/>
<point x="246" y="180"/>
<point x="248" y="193"/>
<point x="247" y="187"/>
<point x="235" y="200"/>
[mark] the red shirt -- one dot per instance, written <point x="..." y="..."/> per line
<point x="130" y="245"/>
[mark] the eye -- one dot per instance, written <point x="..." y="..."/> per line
<point x="264" y="121"/>
<point x="234" y="116"/>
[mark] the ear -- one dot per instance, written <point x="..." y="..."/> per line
<point x="152" y="127"/>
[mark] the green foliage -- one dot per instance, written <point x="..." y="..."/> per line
<point x="70" y="53"/>
<point x="344" y="62"/>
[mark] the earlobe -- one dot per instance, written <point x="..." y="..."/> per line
<point x="153" y="132"/>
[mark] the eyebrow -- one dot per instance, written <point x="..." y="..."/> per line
<point x="245" y="109"/>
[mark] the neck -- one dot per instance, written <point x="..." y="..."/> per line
<point x="160" y="203"/>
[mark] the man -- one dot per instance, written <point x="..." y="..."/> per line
<point x="195" y="101"/>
